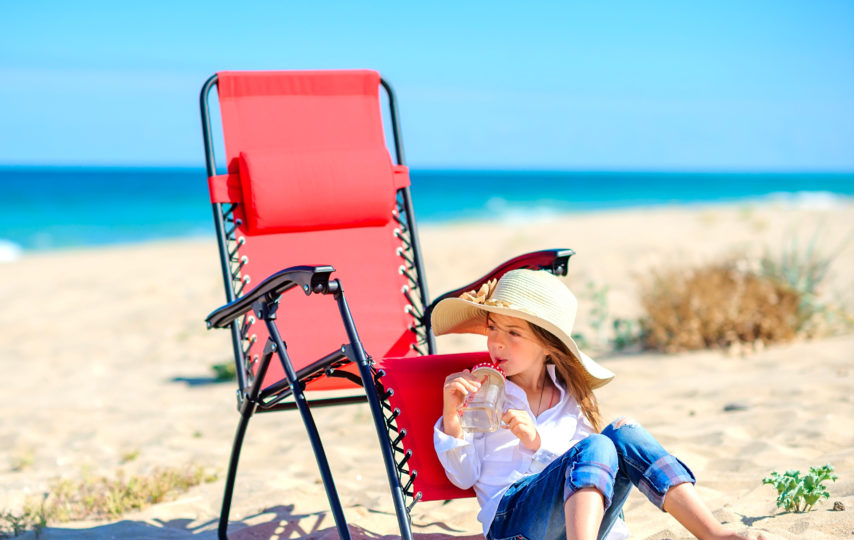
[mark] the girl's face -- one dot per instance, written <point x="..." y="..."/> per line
<point x="513" y="345"/>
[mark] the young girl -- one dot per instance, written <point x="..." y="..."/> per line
<point x="552" y="471"/>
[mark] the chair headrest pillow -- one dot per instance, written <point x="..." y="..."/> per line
<point x="320" y="190"/>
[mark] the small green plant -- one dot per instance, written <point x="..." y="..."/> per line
<point x="599" y="311"/>
<point x="12" y="525"/>
<point x="224" y="371"/>
<point x="581" y="340"/>
<point x="607" y="331"/>
<point x="23" y="460"/>
<point x="804" y="268"/>
<point x="796" y="493"/>
<point x="127" y="457"/>
<point x="627" y="333"/>
<point x="32" y="518"/>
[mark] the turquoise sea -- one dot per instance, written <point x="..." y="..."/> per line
<point x="54" y="208"/>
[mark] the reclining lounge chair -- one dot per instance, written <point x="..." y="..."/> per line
<point x="311" y="206"/>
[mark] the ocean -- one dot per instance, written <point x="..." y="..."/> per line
<point x="57" y="208"/>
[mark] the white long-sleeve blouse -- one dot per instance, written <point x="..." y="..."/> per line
<point x="492" y="462"/>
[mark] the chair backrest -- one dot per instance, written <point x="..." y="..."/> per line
<point x="310" y="182"/>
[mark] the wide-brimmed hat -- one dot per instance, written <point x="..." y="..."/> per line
<point x="533" y="295"/>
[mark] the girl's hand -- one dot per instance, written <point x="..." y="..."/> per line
<point x="520" y="424"/>
<point x="457" y="387"/>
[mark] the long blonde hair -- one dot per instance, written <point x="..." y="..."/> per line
<point x="571" y="374"/>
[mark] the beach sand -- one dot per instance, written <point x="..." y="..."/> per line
<point x="106" y="366"/>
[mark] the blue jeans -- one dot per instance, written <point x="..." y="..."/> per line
<point x="612" y="462"/>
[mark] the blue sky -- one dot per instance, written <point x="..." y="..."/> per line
<point x="691" y="86"/>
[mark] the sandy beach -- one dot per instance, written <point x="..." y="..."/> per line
<point x="106" y="366"/>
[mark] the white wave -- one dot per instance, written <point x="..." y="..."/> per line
<point x="9" y="251"/>
<point x="516" y="213"/>
<point x="496" y="205"/>
<point x="808" y="200"/>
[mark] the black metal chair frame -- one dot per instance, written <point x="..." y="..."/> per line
<point x="263" y="301"/>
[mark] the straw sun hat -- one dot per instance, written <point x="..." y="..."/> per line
<point x="533" y="295"/>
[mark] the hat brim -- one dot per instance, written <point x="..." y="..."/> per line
<point x="459" y="316"/>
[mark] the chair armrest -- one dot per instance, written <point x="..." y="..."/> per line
<point x="555" y="261"/>
<point x="311" y="279"/>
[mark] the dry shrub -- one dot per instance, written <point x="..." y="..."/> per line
<point x="716" y="307"/>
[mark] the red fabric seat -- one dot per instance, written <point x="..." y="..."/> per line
<point x="417" y="384"/>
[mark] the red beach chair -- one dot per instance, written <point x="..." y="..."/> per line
<point x="312" y="206"/>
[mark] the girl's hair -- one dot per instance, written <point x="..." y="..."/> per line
<point x="570" y="372"/>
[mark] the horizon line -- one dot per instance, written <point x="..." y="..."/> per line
<point x="472" y="169"/>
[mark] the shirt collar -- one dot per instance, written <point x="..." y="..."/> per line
<point x="512" y="389"/>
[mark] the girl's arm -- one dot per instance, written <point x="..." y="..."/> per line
<point x="458" y="456"/>
<point x="454" y="448"/>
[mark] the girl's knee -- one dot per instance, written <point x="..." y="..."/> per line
<point x="598" y="448"/>
<point x="624" y="421"/>
<point x="594" y="465"/>
<point x="619" y="425"/>
<point x="624" y="431"/>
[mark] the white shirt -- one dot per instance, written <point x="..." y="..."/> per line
<point x="492" y="462"/>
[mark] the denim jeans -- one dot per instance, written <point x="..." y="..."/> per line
<point x="612" y="462"/>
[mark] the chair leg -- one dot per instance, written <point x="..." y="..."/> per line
<point x="247" y="409"/>
<point x="379" y="421"/>
<point x="311" y="428"/>
<point x="232" y="474"/>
